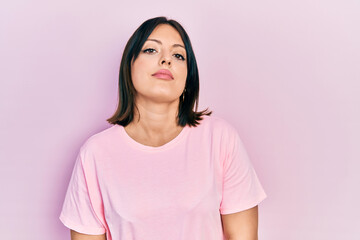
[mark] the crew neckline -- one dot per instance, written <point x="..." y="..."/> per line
<point x="143" y="147"/>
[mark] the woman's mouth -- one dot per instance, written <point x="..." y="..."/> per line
<point x="163" y="74"/>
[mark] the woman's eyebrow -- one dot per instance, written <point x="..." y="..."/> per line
<point x="158" y="41"/>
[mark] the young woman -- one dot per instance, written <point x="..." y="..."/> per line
<point x="162" y="170"/>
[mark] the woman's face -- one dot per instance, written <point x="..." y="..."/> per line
<point x="164" y="49"/>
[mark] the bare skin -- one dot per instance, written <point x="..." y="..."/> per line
<point x="241" y="225"/>
<point x="79" y="236"/>
<point x="157" y="100"/>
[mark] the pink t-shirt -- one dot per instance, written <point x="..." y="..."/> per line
<point x="176" y="191"/>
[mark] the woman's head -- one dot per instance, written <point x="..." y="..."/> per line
<point x="157" y="44"/>
<point x="164" y="49"/>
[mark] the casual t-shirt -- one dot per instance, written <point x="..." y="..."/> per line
<point x="176" y="191"/>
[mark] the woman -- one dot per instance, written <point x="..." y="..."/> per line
<point x="162" y="171"/>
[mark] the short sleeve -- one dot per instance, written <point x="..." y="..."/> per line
<point x="77" y="211"/>
<point x="241" y="187"/>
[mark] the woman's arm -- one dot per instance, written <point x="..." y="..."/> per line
<point x="241" y="225"/>
<point x="80" y="236"/>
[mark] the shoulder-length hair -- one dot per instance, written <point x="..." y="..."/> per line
<point x="124" y="113"/>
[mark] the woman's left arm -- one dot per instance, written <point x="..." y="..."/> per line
<point x="241" y="225"/>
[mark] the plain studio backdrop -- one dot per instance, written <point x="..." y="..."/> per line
<point x="285" y="73"/>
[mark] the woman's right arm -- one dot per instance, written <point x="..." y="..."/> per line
<point x="80" y="236"/>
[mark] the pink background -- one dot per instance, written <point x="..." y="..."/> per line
<point x="284" y="73"/>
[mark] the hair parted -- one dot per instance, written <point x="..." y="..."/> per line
<point x="124" y="113"/>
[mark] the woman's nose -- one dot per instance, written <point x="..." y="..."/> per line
<point x="165" y="59"/>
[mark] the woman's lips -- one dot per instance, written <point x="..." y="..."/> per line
<point x="162" y="76"/>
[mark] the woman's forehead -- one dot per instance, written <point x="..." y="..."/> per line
<point x="165" y="33"/>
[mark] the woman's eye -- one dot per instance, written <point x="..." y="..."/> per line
<point x="151" y="50"/>
<point x="148" y="50"/>
<point x="180" y="56"/>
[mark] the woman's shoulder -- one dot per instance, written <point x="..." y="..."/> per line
<point x="218" y="126"/>
<point x="220" y="130"/>
<point x="100" y="138"/>
<point x="217" y="122"/>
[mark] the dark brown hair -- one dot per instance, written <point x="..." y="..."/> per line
<point x="124" y="114"/>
